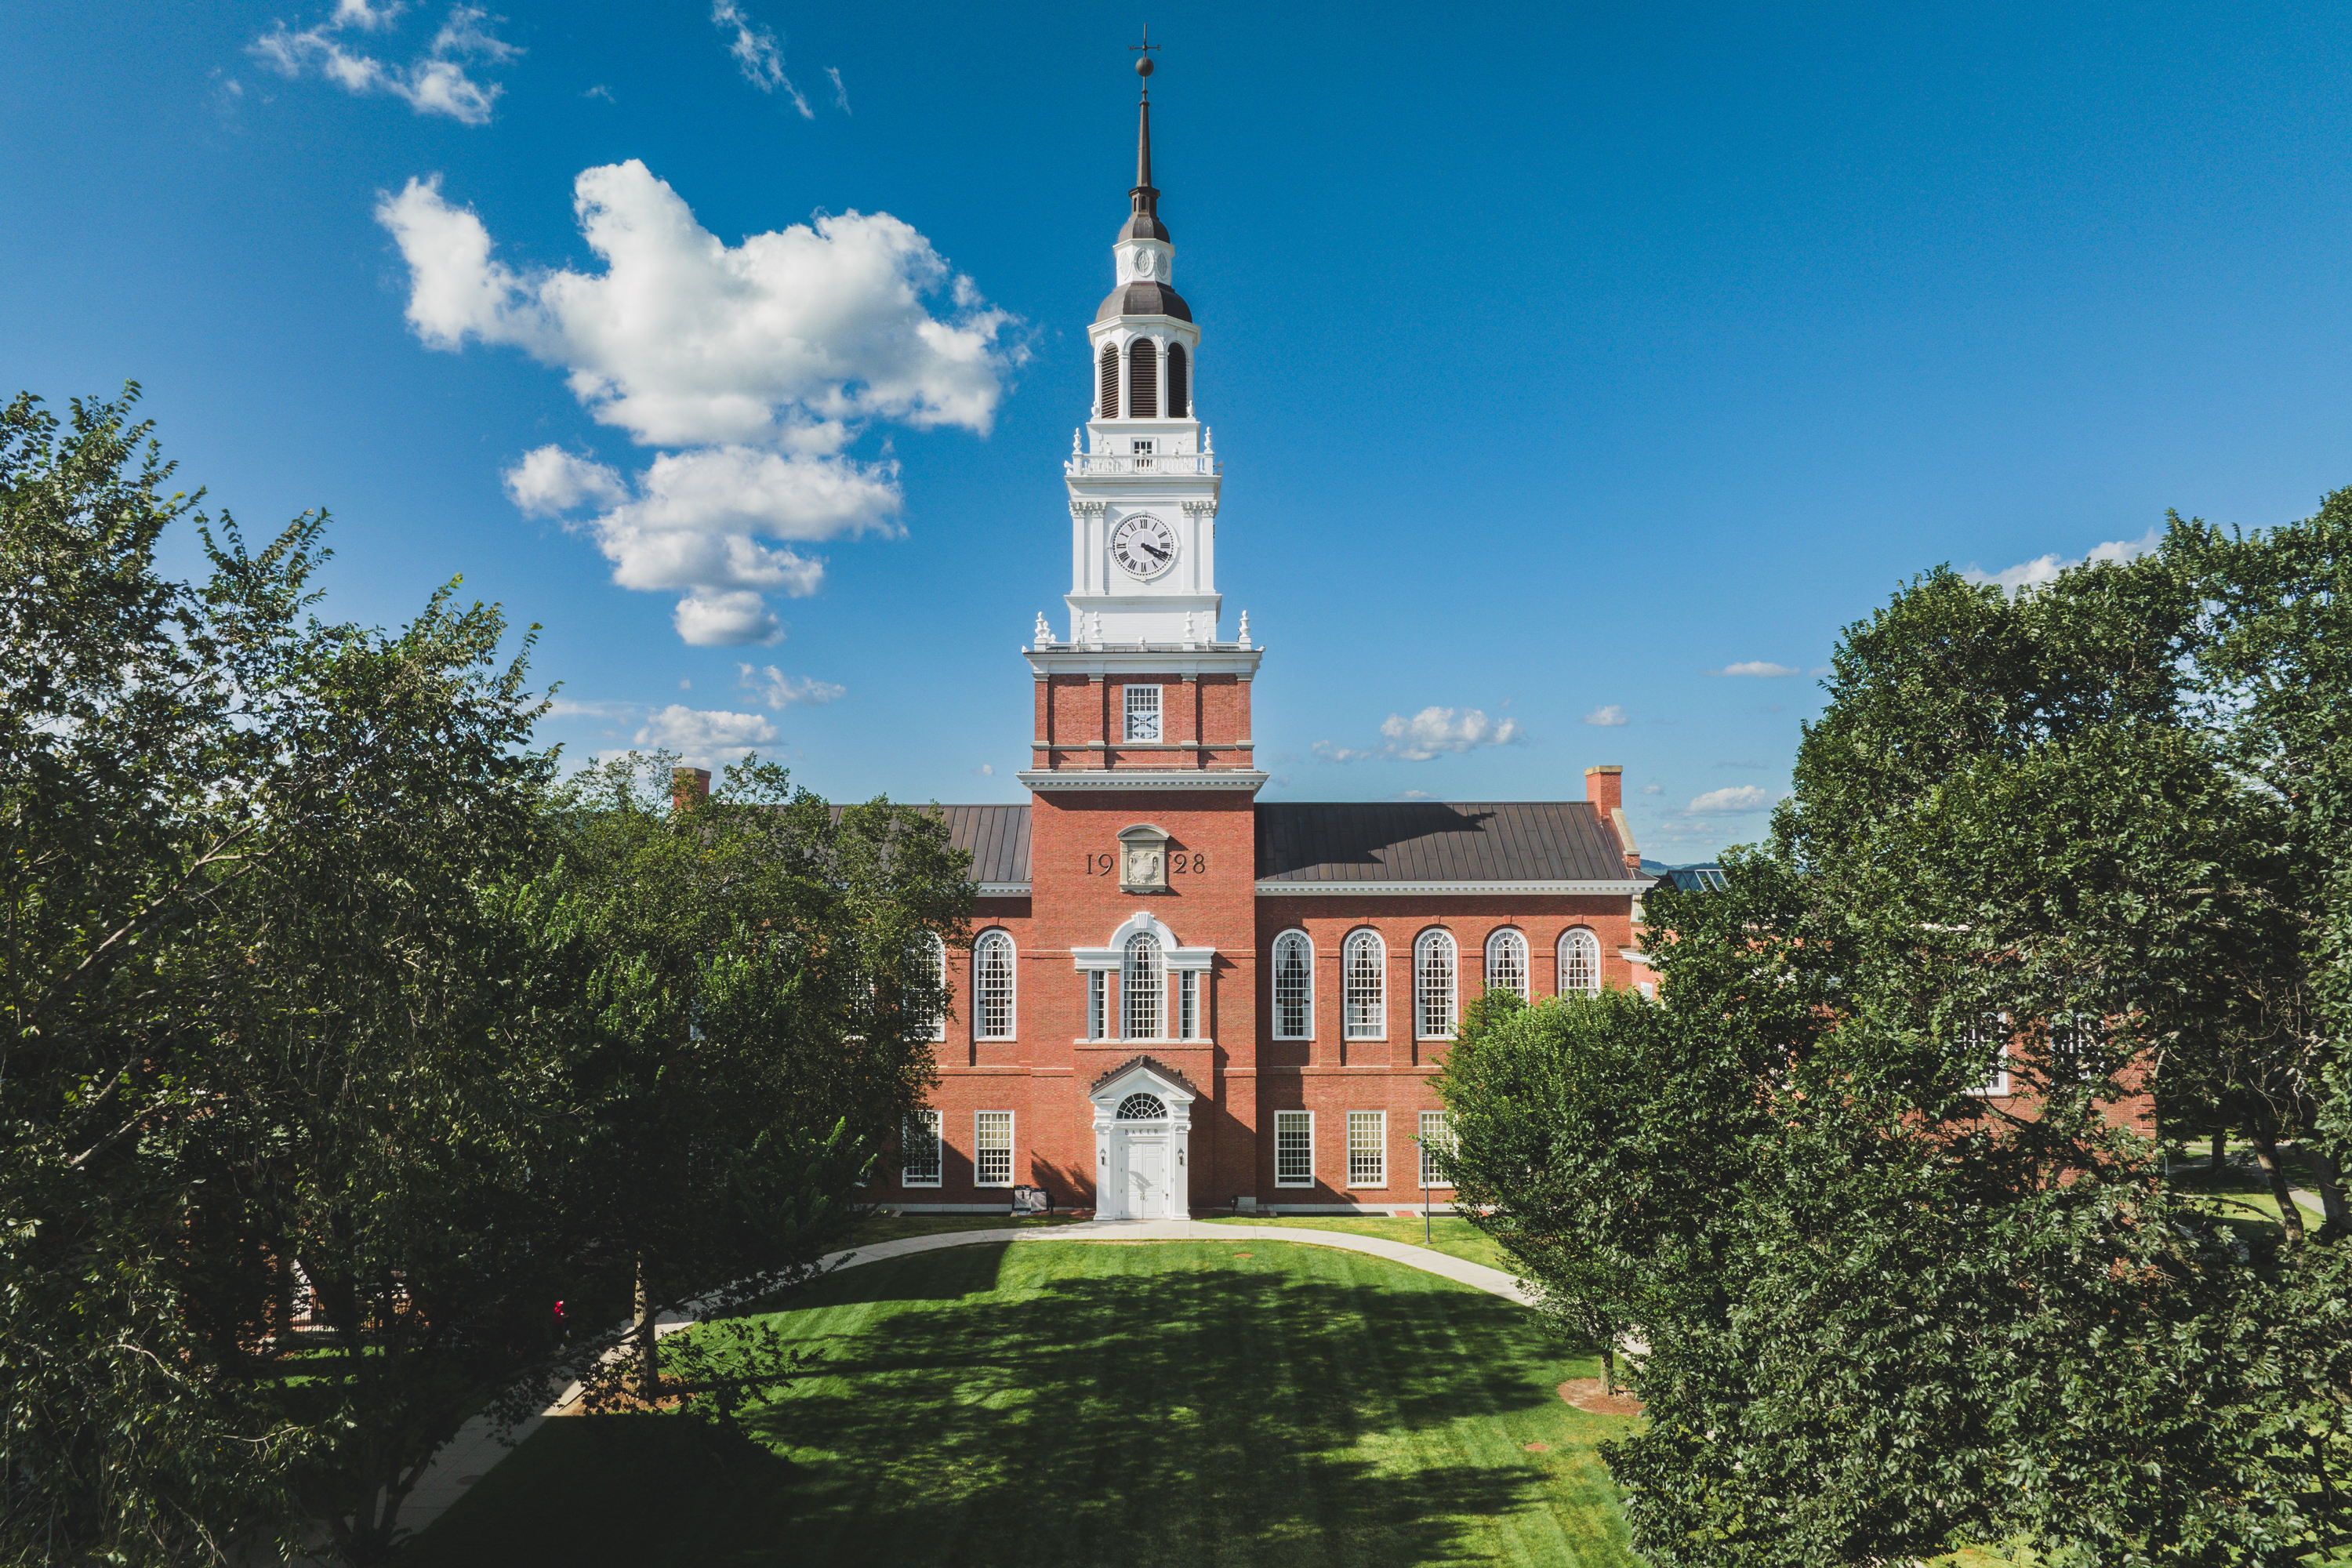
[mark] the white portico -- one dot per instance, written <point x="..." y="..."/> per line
<point x="1143" y="1134"/>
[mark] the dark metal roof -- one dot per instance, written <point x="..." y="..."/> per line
<point x="1429" y="841"/>
<point x="997" y="836"/>
<point x="1140" y="299"/>
<point x="1156" y="1064"/>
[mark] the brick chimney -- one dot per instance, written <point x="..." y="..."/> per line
<point x="688" y="787"/>
<point x="1604" y="786"/>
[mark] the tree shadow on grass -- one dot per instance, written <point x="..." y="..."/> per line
<point x="993" y="1406"/>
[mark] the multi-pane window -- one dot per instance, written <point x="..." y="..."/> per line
<point x="1579" y="963"/>
<point x="1293" y="986"/>
<point x="1368" y="1148"/>
<point x="1987" y="1041"/>
<point x="940" y="977"/>
<point x="1141" y="988"/>
<point x="1188" y="1005"/>
<point x="2075" y="1047"/>
<point x="1364" y="964"/>
<point x="1293" y="1148"/>
<point x="1434" y="966"/>
<point x="1437" y="1138"/>
<point x="992" y="1148"/>
<point x="1097" y="1004"/>
<point x="919" y="1150"/>
<point x="1506" y="963"/>
<point x="992" y="983"/>
<point x="1143" y="713"/>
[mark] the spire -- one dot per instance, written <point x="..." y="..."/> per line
<point x="1143" y="129"/>
<point x="1143" y="220"/>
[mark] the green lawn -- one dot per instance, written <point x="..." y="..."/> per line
<point x="1097" y="1402"/>
<point x="1454" y="1237"/>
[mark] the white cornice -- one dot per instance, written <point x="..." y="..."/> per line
<point x="1630" y="888"/>
<point x="1001" y="890"/>
<point x="1250" y="779"/>
<point x="1149" y="658"/>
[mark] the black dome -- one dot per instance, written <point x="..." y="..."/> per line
<point x="1141" y="298"/>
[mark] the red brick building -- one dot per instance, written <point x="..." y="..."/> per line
<point x="1178" y="996"/>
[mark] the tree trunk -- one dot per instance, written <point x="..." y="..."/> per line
<point x="649" y="1378"/>
<point x="2290" y="1212"/>
<point x="1608" y="1366"/>
<point x="2330" y="1181"/>
<point x="2220" y="1149"/>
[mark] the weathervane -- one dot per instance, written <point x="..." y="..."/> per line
<point x="1142" y="58"/>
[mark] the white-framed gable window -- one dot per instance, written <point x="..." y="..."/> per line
<point x="1506" y="963"/>
<point x="1142" y="988"/>
<point x="1987" y="1041"/>
<point x="992" y="987"/>
<point x="1365" y="962"/>
<point x="1293" y="1148"/>
<point x="1434" y="966"/>
<point x="1580" y="962"/>
<point x="919" y="1150"/>
<point x="1368" y="1148"/>
<point x="939" y="976"/>
<point x="1293" y="986"/>
<point x="1142" y="713"/>
<point x="992" y="1148"/>
<point x="1437" y="1138"/>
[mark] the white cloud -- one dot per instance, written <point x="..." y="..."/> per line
<point x="777" y="689"/>
<point x="985" y="770"/>
<point x="763" y="359"/>
<point x="784" y="339"/>
<point x="758" y="54"/>
<point x="1610" y="715"/>
<point x="1755" y="667"/>
<point x="435" y="82"/>
<point x="840" y="93"/>
<point x="1415" y="795"/>
<point x="2043" y="570"/>
<point x="1432" y="732"/>
<point x="1654" y="789"/>
<point x="702" y="734"/>
<point x="1733" y="799"/>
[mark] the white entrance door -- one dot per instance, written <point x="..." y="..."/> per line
<point x="1147" y="1178"/>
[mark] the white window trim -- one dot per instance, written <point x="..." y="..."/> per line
<point x="1011" y="1149"/>
<point x="1378" y="1028"/>
<point x="1442" y="1124"/>
<point x="1011" y="988"/>
<point x="1570" y="939"/>
<point x="1279" y="1179"/>
<point x="1420" y="944"/>
<point x="1129" y="998"/>
<point x="1188" y="1003"/>
<point x="1308" y="944"/>
<point x="1996" y="1083"/>
<point x="1501" y="936"/>
<point x="1381" y="1185"/>
<point x="1097" y="1002"/>
<point x="940" y="972"/>
<point x="929" y="1117"/>
<point x="1128" y="710"/>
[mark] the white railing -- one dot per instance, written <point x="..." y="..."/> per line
<point x="1101" y="463"/>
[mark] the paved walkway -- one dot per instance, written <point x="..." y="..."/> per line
<point x="479" y="1446"/>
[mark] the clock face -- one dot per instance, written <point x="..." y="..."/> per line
<point x="1143" y="546"/>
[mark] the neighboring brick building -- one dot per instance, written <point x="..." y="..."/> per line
<point x="1177" y="996"/>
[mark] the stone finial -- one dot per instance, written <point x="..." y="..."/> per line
<point x="1078" y="435"/>
<point x="1189" y="637"/>
<point x="1094" y="626"/>
<point x="1045" y="632"/>
<point x="1208" y="441"/>
<point x="1244" y="628"/>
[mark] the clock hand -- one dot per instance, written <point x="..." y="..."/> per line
<point x="1151" y="549"/>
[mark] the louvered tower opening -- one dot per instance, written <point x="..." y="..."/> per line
<point x="1142" y="380"/>
<point x="1180" y="402"/>
<point x="1106" y="384"/>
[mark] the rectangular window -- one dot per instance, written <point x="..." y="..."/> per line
<point x="1988" y="1042"/>
<point x="1293" y="1148"/>
<point x="1188" y="1005"/>
<point x="1142" y="992"/>
<point x="1368" y="1148"/>
<point x="1143" y="448"/>
<point x="992" y="1148"/>
<point x="1097" y="1002"/>
<point x="919" y="1150"/>
<point x="1143" y="713"/>
<point x="1436" y="1136"/>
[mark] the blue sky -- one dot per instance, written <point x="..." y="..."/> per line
<point x="1561" y="358"/>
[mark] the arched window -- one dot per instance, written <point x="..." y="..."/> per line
<point x="1579" y="963"/>
<point x="1434" y="967"/>
<point x="1141" y="987"/>
<point x="939" y="978"/>
<point x="1293" y="986"/>
<point x="1506" y="963"/>
<point x="1180" y="400"/>
<point x="1365" y="961"/>
<point x="992" y="985"/>
<point x="1142" y="1107"/>
<point x="1107" y="382"/>
<point x="1142" y="379"/>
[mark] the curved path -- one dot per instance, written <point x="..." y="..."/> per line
<point x="479" y="1446"/>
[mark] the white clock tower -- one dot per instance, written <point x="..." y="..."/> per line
<point x="1142" y="478"/>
